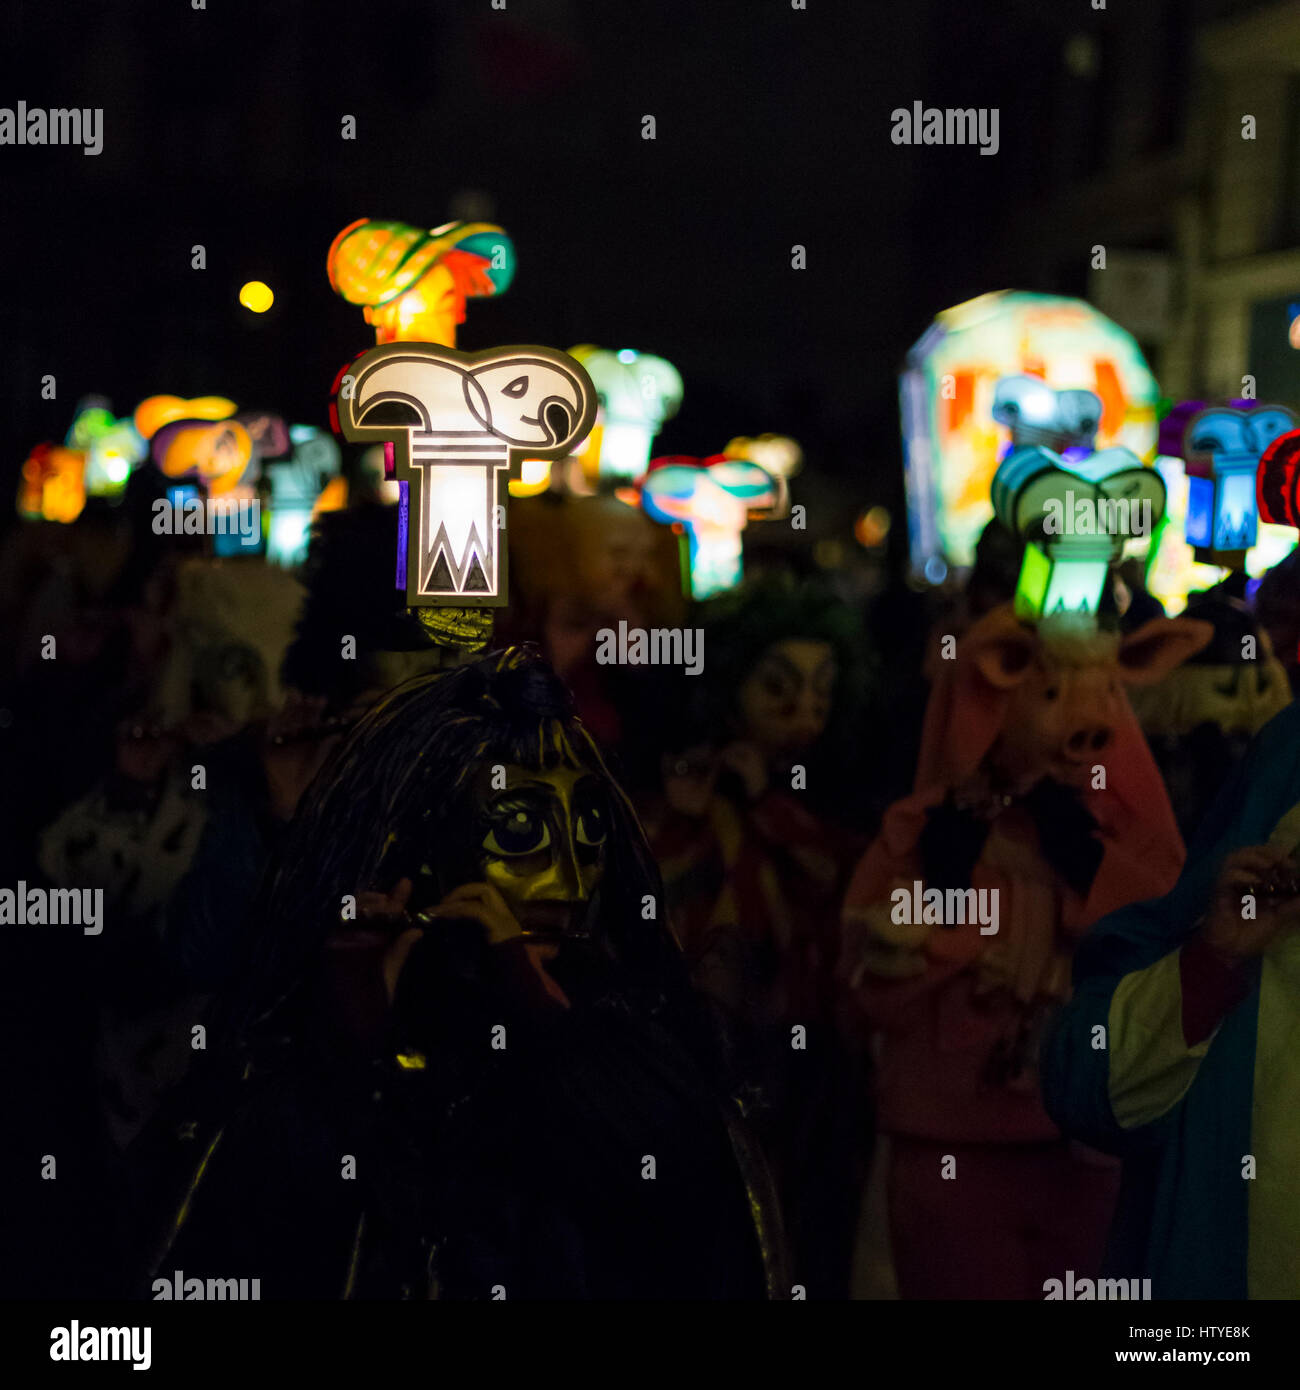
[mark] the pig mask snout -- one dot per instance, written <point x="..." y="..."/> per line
<point x="1086" y="741"/>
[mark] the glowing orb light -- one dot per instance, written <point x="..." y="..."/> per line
<point x="256" y="297"/>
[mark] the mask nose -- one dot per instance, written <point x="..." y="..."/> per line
<point x="571" y="883"/>
<point x="1086" y="741"/>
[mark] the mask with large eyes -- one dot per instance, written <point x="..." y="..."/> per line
<point x="785" y="701"/>
<point x="543" y="846"/>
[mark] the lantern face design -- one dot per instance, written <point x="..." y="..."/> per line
<point x="637" y="393"/>
<point x="1074" y="520"/>
<point x="953" y="443"/>
<point x="712" y="500"/>
<point x="413" y="283"/>
<point x="224" y="457"/>
<point x="460" y="424"/>
<point x="1223" y="448"/>
<point x="1036" y="413"/>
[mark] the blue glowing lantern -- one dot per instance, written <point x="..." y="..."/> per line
<point x="1222" y="447"/>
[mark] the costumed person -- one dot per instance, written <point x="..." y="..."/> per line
<point x="1036" y="809"/>
<point x="1177" y="1051"/>
<point x="494" y="1081"/>
<point x="749" y="831"/>
<point x="175" y="833"/>
<point x="1202" y="717"/>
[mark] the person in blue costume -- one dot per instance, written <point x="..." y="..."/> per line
<point x="1178" y="1050"/>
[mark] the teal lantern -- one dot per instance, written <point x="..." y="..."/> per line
<point x="1074" y="520"/>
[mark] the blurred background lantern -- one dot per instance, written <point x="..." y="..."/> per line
<point x="1222" y="451"/>
<point x="712" y="500"/>
<point x="952" y="441"/>
<point x="636" y="393"/>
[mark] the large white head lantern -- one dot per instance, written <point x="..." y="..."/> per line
<point x="460" y="425"/>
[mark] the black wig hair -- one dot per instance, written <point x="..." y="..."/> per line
<point x="402" y="787"/>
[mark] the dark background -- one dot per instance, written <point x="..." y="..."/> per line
<point x="222" y="128"/>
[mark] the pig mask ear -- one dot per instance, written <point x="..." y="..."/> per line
<point x="1005" y="661"/>
<point x="1149" y="654"/>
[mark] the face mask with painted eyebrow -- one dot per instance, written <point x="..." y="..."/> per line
<point x="542" y="846"/>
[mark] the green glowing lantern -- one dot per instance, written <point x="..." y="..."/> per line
<point x="1074" y="520"/>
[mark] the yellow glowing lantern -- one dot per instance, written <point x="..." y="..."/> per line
<point x="218" y="453"/>
<point x="156" y="411"/>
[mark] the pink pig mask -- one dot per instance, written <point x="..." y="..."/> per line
<point x="1063" y="687"/>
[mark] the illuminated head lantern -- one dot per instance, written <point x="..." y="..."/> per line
<point x="414" y="283"/>
<point x="637" y="393"/>
<point x="712" y="500"/>
<point x="460" y="424"/>
<point x="957" y="421"/>
<point x="296" y="486"/>
<point x="1223" y="448"/>
<point x="1074" y="520"/>
<point x="1064" y="421"/>
<point x="113" y="447"/>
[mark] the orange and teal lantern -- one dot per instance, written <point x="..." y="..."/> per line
<point x="412" y="283"/>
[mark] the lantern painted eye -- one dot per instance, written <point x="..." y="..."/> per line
<point x="1051" y="692"/>
<point x="517" y="830"/>
<point x="517" y="387"/>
